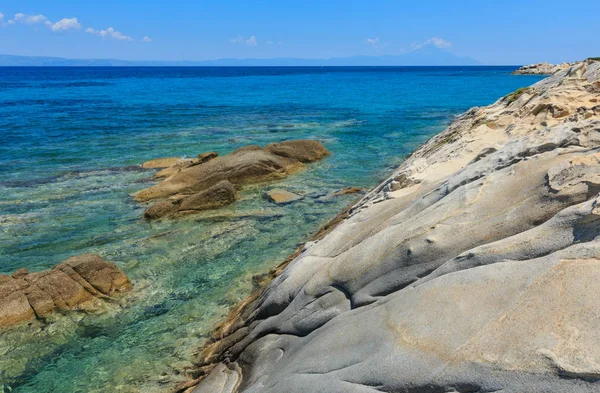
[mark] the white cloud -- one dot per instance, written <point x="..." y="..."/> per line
<point x="110" y="33"/>
<point x="146" y="39"/>
<point x="435" y="41"/>
<point x="372" y="41"/>
<point x="66" y="24"/>
<point x="27" y="19"/>
<point x="1" y="16"/>
<point x="241" y="40"/>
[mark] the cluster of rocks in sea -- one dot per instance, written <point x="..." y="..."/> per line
<point x="211" y="181"/>
<point x="473" y="268"/>
<point x="80" y="283"/>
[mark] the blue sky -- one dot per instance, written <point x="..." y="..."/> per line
<point x="492" y="32"/>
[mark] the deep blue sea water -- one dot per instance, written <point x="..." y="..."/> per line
<point x="71" y="140"/>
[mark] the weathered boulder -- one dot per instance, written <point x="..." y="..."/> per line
<point x="282" y="197"/>
<point x="75" y="284"/>
<point x="221" y="194"/>
<point x="250" y="164"/>
<point x="473" y="268"/>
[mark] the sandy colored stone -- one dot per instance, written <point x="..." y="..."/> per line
<point x="221" y="194"/>
<point x="244" y="166"/>
<point x="76" y="283"/>
<point x="163" y="162"/>
<point x="281" y="197"/>
<point x="349" y="190"/>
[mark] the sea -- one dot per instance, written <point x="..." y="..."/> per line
<point x="71" y="143"/>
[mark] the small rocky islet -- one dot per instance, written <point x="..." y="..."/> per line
<point x="211" y="181"/>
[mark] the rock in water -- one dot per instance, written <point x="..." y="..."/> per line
<point x="221" y="194"/>
<point x="250" y="164"/>
<point x="176" y="166"/>
<point x="77" y="283"/>
<point x="281" y="197"/>
<point x="474" y="268"/>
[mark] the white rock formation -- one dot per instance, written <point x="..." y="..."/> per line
<point x="542" y="69"/>
<point x="474" y="268"/>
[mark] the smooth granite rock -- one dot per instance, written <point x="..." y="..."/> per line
<point x="75" y="284"/>
<point x="474" y="268"/>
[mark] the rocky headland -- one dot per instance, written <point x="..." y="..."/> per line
<point x="542" y="69"/>
<point x="473" y="268"/>
<point x="210" y="181"/>
<point x="80" y="283"/>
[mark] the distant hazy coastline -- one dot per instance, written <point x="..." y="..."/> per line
<point x="421" y="57"/>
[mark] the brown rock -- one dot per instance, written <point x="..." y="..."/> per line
<point x="250" y="164"/>
<point x="221" y="194"/>
<point x="76" y="283"/>
<point x="159" y="210"/>
<point x="301" y="150"/>
<point x="282" y="197"/>
<point x="349" y="190"/>
<point x="20" y="273"/>
<point x="205" y="157"/>
<point x="163" y="162"/>
<point x="15" y="308"/>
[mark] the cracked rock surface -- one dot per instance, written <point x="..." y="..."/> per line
<point x="474" y="268"/>
<point x="79" y="283"/>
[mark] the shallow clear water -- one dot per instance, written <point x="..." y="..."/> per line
<point x="70" y="140"/>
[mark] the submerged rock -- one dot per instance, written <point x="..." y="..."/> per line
<point x="281" y="197"/>
<point x="474" y="267"/>
<point x="348" y="190"/>
<point x="75" y="284"/>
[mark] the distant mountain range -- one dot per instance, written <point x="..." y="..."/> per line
<point x="426" y="56"/>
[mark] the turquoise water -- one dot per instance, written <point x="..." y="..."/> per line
<point x="71" y="141"/>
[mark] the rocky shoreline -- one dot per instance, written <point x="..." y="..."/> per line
<point x="472" y="268"/>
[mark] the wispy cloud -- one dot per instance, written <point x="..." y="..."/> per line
<point x="374" y="42"/>
<point x="27" y="19"/>
<point x="435" y="41"/>
<point x="110" y="33"/>
<point x="69" y="24"/>
<point x="239" y="39"/>
<point x="66" y="24"/>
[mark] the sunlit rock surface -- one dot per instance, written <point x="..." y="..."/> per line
<point x="79" y="283"/>
<point x="474" y="268"/>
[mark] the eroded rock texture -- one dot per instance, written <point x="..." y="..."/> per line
<point x="79" y="283"/>
<point x="193" y="185"/>
<point x="474" y="268"/>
